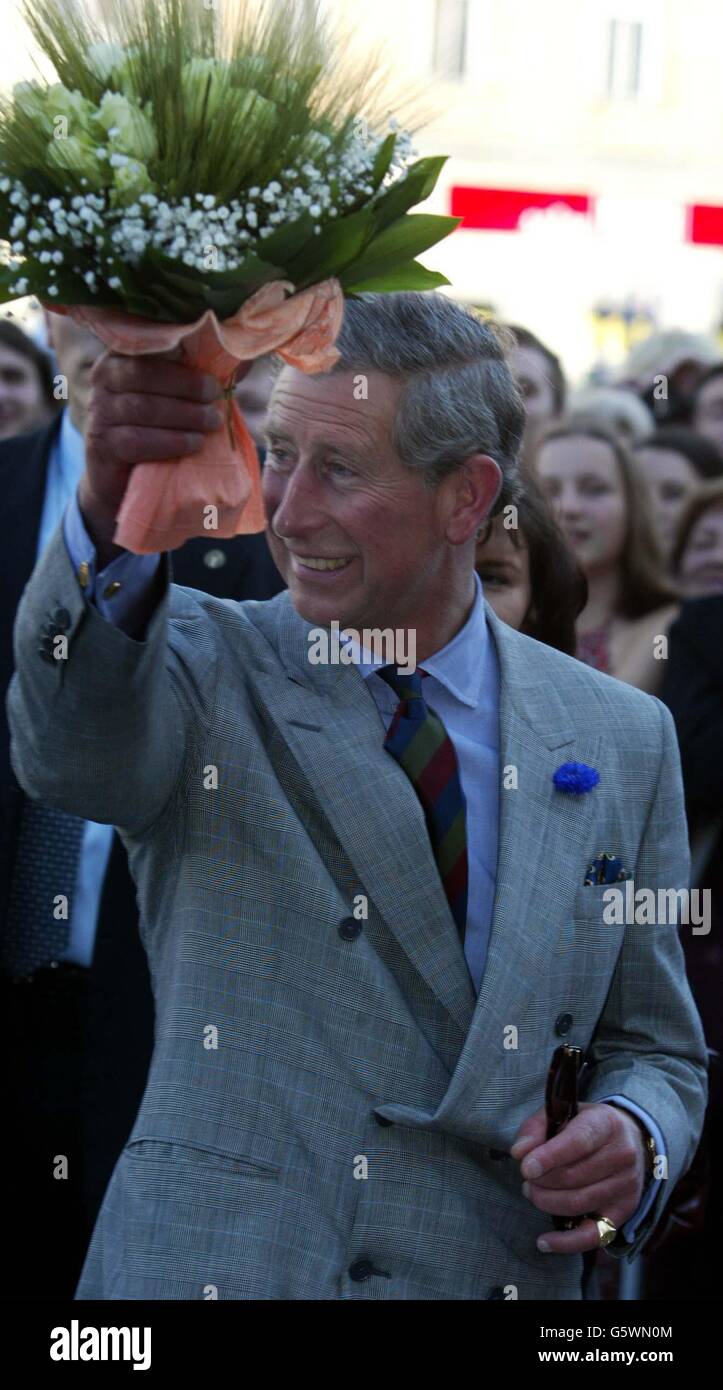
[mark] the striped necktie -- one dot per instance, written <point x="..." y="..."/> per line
<point x="419" y="742"/>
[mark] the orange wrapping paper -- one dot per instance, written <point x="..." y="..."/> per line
<point x="165" y="502"/>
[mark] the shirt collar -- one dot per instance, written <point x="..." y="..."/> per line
<point x="460" y="666"/>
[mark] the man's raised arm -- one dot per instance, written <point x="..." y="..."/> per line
<point x="100" y="720"/>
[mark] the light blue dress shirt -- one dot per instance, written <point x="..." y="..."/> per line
<point x="65" y="466"/>
<point x="462" y="686"/>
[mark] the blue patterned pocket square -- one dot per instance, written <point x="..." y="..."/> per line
<point x="604" y="868"/>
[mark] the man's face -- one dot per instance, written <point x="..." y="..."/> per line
<point x="708" y="411"/>
<point x="77" y="351"/>
<point x="335" y="491"/>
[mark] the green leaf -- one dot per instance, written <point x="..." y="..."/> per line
<point x="340" y="242"/>
<point x="406" y="193"/>
<point x="183" y="293"/>
<point x="383" y="159"/>
<point x="402" y="241"/>
<point x="410" y="276"/>
<point x="288" y="241"/>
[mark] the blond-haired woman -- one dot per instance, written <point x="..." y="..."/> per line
<point x="605" y="512"/>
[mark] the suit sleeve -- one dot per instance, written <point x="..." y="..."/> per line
<point x="101" y="724"/>
<point x="649" y="1047"/>
<point x="123" y="591"/>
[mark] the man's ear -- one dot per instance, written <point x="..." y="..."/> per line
<point x="479" y="481"/>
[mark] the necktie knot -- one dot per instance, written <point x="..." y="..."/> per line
<point x="405" y="687"/>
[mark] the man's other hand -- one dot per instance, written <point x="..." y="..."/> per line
<point x="595" y="1164"/>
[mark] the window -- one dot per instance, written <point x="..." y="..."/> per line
<point x="624" y="58"/>
<point x="449" y="54"/>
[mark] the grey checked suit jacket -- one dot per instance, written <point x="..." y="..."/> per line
<point x="288" y="1049"/>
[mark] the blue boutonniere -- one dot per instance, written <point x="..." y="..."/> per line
<point x="575" y="778"/>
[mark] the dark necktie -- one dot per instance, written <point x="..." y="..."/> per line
<point x="46" y="864"/>
<point x="419" y="742"/>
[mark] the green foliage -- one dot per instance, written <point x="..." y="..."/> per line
<point x="164" y="98"/>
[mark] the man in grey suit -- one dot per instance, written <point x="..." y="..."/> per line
<point x="354" y="1026"/>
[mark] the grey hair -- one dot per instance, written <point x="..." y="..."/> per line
<point x="459" y="397"/>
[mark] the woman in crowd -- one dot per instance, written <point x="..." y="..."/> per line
<point x="697" y="558"/>
<point x="605" y="513"/>
<point x="541" y="382"/>
<point x="613" y="408"/>
<point x="673" y="462"/>
<point x="674" y="360"/>
<point x="26" y="383"/>
<point x="530" y="577"/>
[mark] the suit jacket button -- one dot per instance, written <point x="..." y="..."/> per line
<point x="61" y="618"/>
<point x="496" y="1291"/>
<point x="349" y="929"/>
<point x="361" y="1270"/>
<point x="214" y="559"/>
<point x="563" y="1024"/>
<point x="382" y="1120"/>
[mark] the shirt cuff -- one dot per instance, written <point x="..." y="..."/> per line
<point x="122" y="591"/>
<point x="651" y="1190"/>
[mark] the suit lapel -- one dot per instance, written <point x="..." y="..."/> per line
<point x="536" y="820"/>
<point x="332" y="727"/>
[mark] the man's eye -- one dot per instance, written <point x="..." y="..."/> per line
<point x="275" y="454"/>
<point x="339" y="469"/>
<point x="492" y="579"/>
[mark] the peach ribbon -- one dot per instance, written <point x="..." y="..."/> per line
<point x="166" y="502"/>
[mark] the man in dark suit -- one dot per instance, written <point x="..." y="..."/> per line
<point x="77" y="1015"/>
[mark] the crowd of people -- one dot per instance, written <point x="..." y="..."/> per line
<point x="612" y="552"/>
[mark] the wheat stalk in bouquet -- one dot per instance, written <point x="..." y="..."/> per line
<point x="211" y="176"/>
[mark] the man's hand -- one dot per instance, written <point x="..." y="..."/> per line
<point x="595" y="1164"/>
<point x="142" y="409"/>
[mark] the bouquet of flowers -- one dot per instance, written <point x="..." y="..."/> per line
<point x="213" y="176"/>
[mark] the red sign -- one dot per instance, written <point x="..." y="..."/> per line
<point x="500" y="209"/>
<point x="705" y="225"/>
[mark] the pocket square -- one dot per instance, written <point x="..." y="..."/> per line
<point x="604" y="868"/>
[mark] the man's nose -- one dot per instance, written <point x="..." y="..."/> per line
<point x="299" y="511"/>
